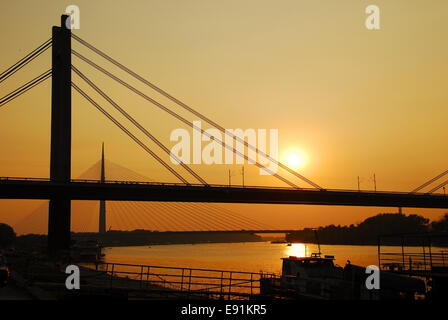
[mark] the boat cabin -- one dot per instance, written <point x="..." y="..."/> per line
<point x="311" y="267"/>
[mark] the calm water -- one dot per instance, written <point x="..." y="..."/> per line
<point x="249" y="256"/>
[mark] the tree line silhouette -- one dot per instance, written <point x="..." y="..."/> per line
<point x="368" y="231"/>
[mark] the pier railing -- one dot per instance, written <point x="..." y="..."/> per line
<point x="184" y="282"/>
<point x="424" y="254"/>
<point x="415" y="261"/>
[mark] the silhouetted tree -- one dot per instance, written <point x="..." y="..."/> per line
<point x="7" y="235"/>
<point x="366" y="232"/>
<point x="440" y="225"/>
<point x="391" y="223"/>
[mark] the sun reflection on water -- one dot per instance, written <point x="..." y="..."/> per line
<point x="296" y="249"/>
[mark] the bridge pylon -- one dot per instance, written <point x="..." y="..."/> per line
<point x="60" y="157"/>
<point x="102" y="216"/>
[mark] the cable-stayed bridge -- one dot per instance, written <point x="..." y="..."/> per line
<point x="132" y="215"/>
<point x="61" y="189"/>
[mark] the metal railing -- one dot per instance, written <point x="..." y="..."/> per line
<point x="425" y="253"/>
<point x="174" y="184"/>
<point x="187" y="282"/>
<point x="414" y="261"/>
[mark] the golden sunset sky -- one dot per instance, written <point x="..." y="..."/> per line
<point x="354" y="102"/>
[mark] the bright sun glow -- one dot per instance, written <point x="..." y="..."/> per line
<point x="297" y="250"/>
<point x="296" y="159"/>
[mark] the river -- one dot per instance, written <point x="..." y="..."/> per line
<point x="248" y="256"/>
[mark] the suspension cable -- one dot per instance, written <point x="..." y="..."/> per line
<point x="437" y="187"/>
<point x="118" y="124"/>
<point x="156" y="225"/>
<point x="138" y="125"/>
<point x="24" y="61"/>
<point x="221" y="218"/>
<point x="204" y="224"/>
<point x="232" y="216"/>
<point x="196" y="113"/>
<point x="429" y="182"/>
<point x="24" y="88"/>
<point x="187" y="122"/>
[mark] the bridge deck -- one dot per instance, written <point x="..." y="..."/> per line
<point x="16" y="188"/>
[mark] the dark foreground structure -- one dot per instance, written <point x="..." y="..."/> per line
<point x="423" y="256"/>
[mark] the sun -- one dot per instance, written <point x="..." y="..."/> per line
<point x="295" y="159"/>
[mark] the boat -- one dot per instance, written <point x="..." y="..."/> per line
<point x="87" y="251"/>
<point x="318" y="277"/>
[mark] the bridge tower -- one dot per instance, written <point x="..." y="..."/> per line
<point x="60" y="156"/>
<point x="102" y="218"/>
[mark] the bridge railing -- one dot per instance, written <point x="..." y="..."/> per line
<point x="188" y="282"/>
<point x="23" y="179"/>
<point x="174" y="184"/>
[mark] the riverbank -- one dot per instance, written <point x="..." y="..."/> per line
<point x="144" y="237"/>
